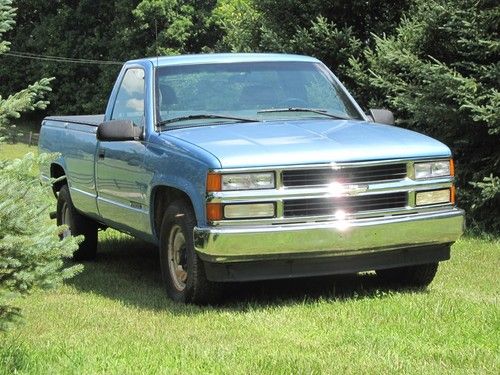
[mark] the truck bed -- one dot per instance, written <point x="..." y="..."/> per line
<point x="92" y="120"/>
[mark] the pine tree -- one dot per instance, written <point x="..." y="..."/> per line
<point x="31" y="254"/>
<point x="440" y="73"/>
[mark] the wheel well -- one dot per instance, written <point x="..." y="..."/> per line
<point x="162" y="197"/>
<point x="56" y="171"/>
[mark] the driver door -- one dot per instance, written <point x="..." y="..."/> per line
<point x="120" y="175"/>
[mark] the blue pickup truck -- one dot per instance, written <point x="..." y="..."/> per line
<point x="251" y="167"/>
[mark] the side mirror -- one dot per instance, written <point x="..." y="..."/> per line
<point x="118" y="130"/>
<point x="382" y="116"/>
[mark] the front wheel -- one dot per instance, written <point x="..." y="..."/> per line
<point x="77" y="224"/>
<point x="182" y="270"/>
<point x="419" y="276"/>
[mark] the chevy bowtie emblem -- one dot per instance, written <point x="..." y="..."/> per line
<point x="338" y="190"/>
<point x="356" y="189"/>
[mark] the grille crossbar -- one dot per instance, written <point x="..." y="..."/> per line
<point x="349" y="204"/>
<point x="352" y="175"/>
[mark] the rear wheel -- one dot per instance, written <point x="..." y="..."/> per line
<point x="182" y="270"/>
<point x="419" y="276"/>
<point x="77" y="224"/>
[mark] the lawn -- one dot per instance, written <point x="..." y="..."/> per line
<point x="12" y="151"/>
<point x="114" y="318"/>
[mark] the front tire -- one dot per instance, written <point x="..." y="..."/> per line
<point x="419" y="276"/>
<point x="182" y="270"/>
<point x="77" y="225"/>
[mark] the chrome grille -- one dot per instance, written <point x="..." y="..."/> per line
<point x="346" y="175"/>
<point x="349" y="204"/>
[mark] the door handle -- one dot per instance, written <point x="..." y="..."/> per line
<point x="101" y="154"/>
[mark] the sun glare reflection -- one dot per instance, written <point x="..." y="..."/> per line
<point x="336" y="189"/>
<point x="342" y="224"/>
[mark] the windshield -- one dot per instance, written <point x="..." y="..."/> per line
<point x="257" y="90"/>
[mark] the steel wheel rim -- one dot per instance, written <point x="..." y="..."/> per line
<point x="65" y="220"/>
<point x="177" y="257"/>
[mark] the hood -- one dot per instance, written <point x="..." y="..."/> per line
<point x="308" y="142"/>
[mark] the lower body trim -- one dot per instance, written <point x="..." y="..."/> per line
<point x="304" y="267"/>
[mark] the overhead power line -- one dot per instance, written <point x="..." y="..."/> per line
<point x="59" y="59"/>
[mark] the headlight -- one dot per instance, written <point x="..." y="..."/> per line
<point x="433" y="169"/>
<point x="240" y="181"/>
<point x="424" y="198"/>
<point x="248" y="211"/>
<point x="247" y="181"/>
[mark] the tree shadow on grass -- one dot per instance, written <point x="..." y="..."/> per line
<point x="128" y="270"/>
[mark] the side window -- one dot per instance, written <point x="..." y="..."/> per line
<point x="129" y="102"/>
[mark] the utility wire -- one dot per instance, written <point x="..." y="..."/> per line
<point x="59" y="59"/>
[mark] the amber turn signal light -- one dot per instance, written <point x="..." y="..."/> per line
<point x="214" y="182"/>
<point x="452" y="193"/>
<point x="452" y="168"/>
<point x="214" y="211"/>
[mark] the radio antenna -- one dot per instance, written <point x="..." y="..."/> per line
<point x="156" y="42"/>
<point x="157" y="109"/>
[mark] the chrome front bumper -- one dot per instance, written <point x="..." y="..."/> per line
<point x="328" y="239"/>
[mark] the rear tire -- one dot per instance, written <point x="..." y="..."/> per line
<point x="419" y="276"/>
<point x="77" y="225"/>
<point x="183" y="272"/>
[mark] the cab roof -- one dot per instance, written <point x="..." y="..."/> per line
<point x="216" y="58"/>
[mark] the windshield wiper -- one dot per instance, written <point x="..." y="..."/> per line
<point x="205" y="116"/>
<point x="323" y="112"/>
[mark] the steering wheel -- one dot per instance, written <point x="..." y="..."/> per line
<point x="293" y="102"/>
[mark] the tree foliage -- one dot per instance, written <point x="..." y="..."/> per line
<point x="27" y="99"/>
<point x="31" y="255"/>
<point x="440" y="74"/>
<point x="182" y="26"/>
<point x="88" y="29"/>
<point x="241" y="23"/>
<point x="332" y="31"/>
<point x="107" y="30"/>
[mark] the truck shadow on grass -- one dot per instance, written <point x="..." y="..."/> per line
<point x="128" y="270"/>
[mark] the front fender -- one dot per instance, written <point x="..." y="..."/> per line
<point x="183" y="185"/>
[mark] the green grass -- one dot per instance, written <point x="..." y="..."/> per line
<point x="114" y="318"/>
<point x="13" y="151"/>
